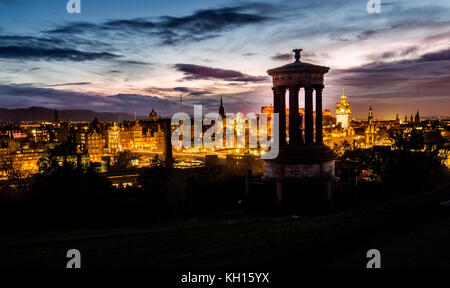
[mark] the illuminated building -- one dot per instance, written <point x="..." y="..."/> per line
<point x="98" y="143"/>
<point x="18" y="135"/>
<point x="328" y="119"/>
<point x="81" y="139"/>
<point x="343" y="112"/>
<point x="95" y="146"/>
<point x="131" y="136"/>
<point x="19" y="157"/>
<point x="113" y="139"/>
<point x="40" y="135"/>
<point x="154" y="141"/>
<point x="269" y="110"/>
<point x="61" y="132"/>
<point x="36" y="132"/>
<point x="341" y="133"/>
<point x="6" y="159"/>
<point x="371" y="130"/>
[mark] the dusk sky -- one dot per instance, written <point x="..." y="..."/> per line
<point x="133" y="55"/>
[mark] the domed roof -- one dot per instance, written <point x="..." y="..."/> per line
<point x="153" y="113"/>
<point x="299" y="66"/>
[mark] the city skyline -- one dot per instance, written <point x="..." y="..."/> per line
<point x="110" y="59"/>
<point x="194" y="138"/>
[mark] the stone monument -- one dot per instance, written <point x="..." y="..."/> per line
<point x="305" y="156"/>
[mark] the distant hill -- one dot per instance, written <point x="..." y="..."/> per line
<point x="45" y="114"/>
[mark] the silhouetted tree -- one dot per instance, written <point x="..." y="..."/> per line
<point x="407" y="168"/>
<point x="403" y="141"/>
<point x="123" y="161"/>
<point x="69" y="193"/>
<point x="163" y="189"/>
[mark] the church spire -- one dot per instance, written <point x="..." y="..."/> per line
<point x="56" y="119"/>
<point x="221" y="109"/>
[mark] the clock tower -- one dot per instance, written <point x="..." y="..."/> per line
<point x="343" y="112"/>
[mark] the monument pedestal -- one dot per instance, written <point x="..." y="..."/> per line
<point x="302" y="164"/>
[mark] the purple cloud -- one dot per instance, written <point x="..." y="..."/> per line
<point x="282" y="57"/>
<point x="198" y="72"/>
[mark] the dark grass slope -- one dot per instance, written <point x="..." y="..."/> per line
<point x="306" y="241"/>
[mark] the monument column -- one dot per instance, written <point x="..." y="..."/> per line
<point x="279" y="94"/>
<point x="302" y="162"/>
<point x="294" y="117"/>
<point x="309" y="121"/>
<point x="319" y="117"/>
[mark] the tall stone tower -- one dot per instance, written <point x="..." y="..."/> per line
<point x="56" y="117"/>
<point x="153" y="116"/>
<point x="370" y="117"/>
<point x="343" y="112"/>
<point x="371" y="130"/>
<point x="305" y="157"/>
